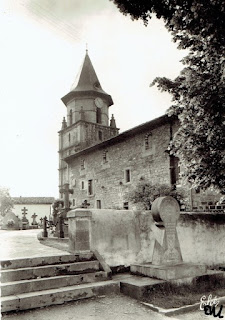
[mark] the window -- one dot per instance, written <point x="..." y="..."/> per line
<point x="99" y="205"/>
<point x="100" y="135"/>
<point x="82" y="164"/>
<point x="126" y="205"/>
<point x="69" y="137"/>
<point x="82" y="185"/>
<point x="174" y="170"/>
<point x="98" y="115"/>
<point x="90" y="187"/>
<point x="71" y="117"/>
<point x="148" y="141"/>
<point x="73" y="202"/>
<point x="127" y="175"/>
<point x="105" y="156"/>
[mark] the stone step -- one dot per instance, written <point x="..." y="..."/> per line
<point x="49" y="297"/>
<point x="48" y="271"/>
<point x="168" y="272"/>
<point x="138" y="286"/>
<point x="24" y="286"/>
<point x="41" y="261"/>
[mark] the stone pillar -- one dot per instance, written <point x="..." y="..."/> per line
<point x="79" y="229"/>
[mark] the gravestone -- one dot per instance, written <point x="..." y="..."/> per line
<point x="167" y="262"/>
<point x="61" y="230"/>
<point x="66" y="191"/>
<point x="166" y="211"/>
<point x="25" y="221"/>
<point x="34" y="222"/>
<point x="11" y="222"/>
<point x="41" y="221"/>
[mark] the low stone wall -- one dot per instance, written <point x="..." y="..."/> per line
<point x="202" y="238"/>
<point x="124" y="237"/>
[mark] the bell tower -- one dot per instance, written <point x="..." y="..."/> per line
<point x="87" y="121"/>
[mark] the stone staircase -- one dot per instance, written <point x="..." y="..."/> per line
<point x="43" y="281"/>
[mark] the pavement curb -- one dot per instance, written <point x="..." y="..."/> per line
<point x="176" y="311"/>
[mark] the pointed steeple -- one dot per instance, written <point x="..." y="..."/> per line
<point x="64" y="124"/>
<point x="87" y="83"/>
<point x="88" y="79"/>
<point x="112" y="122"/>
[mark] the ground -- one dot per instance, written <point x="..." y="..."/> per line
<point x="24" y="243"/>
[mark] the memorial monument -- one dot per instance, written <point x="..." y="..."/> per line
<point x="167" y="262"/>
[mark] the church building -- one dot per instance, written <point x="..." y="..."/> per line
<point x="103" y="166"/>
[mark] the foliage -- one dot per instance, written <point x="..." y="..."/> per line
<point x="145" y="193"/>
<point x="198" y="93"/>
<point x="10" y="223"/>
<point x="6" y="202"/>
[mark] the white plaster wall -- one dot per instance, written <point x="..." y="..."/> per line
<point x="124" y="237"/>
<point x="202" y="240"/>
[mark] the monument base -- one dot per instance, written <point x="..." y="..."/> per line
<point x="168" y="272"/>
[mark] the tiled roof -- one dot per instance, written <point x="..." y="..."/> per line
<point x="33" y="200"/>
<point x="87" y="82"/>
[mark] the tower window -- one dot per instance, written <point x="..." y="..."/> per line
<point x="73" y="202"/>
<point x="100" y="135"/>
<point x="71" y="117"/>
<point x="98" y="115"/>
<point x="82" y="164"/>
<point x="105" y="156"/>
<point x="69" y="137"/>
<point x="82" y="185"/>
<point x="90" y="187"/>
<point x="127" y="175"/>
<point x="99" y="205"/>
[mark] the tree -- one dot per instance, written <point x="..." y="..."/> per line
<point x="145" y="193"/>
<point x="198" y="93"/>
<point x="6" y="202"/>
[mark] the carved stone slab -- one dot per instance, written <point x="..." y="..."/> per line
<point x="167" y="211"/>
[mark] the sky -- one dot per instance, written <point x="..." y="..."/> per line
<point x="43" y="45"/>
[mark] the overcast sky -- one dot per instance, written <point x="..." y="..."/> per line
<point x="43" y="44"/>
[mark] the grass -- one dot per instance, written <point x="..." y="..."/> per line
<point x="174" y="296"/>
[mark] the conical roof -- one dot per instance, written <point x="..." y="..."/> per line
<point x="87" y="83"/>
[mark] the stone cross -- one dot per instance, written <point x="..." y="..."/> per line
<point x="41" y="220"/>
<point x="24" y="212"/>
<point x="66" y="191"/>
<point x="166" y="212"/>
<point x="34" y="218"/>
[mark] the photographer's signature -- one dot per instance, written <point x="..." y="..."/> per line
<point x="209" y="306"/>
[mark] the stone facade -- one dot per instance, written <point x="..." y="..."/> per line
<point x="105" y="173"/>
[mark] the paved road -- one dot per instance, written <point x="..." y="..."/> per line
<point x="114" y="307"/>
<point x="24" y="244"/>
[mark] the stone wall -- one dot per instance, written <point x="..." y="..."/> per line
<point x="108" y="177"/>
<point x="124" y="237"/>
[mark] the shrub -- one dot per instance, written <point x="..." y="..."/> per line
<point x="145" y="193"/>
